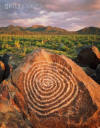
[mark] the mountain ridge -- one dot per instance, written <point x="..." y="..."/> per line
<point x="89" y="30"/>
<point x="40" y="29"/>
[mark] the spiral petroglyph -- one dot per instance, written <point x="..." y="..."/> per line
<point x="53" y="91"/>
<point x="49" y="86"/>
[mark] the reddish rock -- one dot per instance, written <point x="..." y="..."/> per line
<point x="10" y="114"/>
<point x="54" y="92"/>
<point x="8" y="67"/>
<point x="13" y="120"/>
<point x="2" y="70"/>
<point x="89" y="56"/>
<point x="5" y="67"/>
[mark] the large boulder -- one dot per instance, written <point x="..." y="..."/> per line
<point x="89" y="56"/>
<point x="5" y="67"/>
<point x="8" y="68"/>
<point x="47" y="91"/>
<point x="2" y="70"/>
<point x="53" y="91"/>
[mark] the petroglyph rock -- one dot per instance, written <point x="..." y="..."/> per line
<point x="55" y="92"/>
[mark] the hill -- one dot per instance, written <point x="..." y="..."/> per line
<point x="48" y="29"/>
<point x="36" y="29"/>
<point x="89" y="30"/>
<point x="40" y="29"/>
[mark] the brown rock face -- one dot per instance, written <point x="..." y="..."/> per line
<point x="54" y="92"/>
<point x="10" y="114"/>
<point x="89" y="56"/>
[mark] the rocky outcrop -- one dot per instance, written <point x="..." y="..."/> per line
<point x="47" y="91"/>
<point x="5" y="67"/>
<point x="52" y="91"/>
<point x="10" y="114"/>
<point x="2" y="70"/>
<point x="8" y="68"/>
<point x="13" y="120"/>
<point x="89" y="59"/>
<point x="89" y="56"/>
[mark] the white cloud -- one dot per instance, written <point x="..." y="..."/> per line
<point x="43" y="20"/>
<point x="72" y="19"/>
<point x="69" y="14"/>
<point x="42" y="12"/>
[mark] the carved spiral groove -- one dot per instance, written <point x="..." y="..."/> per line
<point x="49" y="87"/>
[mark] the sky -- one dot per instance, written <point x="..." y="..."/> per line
<point x="68" y="14"/>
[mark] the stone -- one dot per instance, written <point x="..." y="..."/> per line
<point x="2" y="70"/>
<point x="98" y="73"/>
<point x="8" y="68"/>
<point x="13" y="120"/>
<point x="89" y="71"/>
<point x="53" y="91"/>
<point x="89" y="56"/>
<point x="10" y="115"/>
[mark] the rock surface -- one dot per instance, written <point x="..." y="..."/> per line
<point x="8" y="68"/>
<point x="89" y="56"/>
<point x="98" y="73"/>
<point x="2" y="70"/>
<point x="10" y="114"/>
<point x="52" y="91"/>
<point x="5" y="67"/>
<point x="49" y="91"/>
